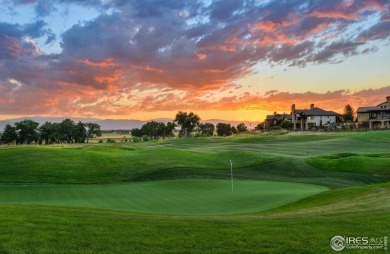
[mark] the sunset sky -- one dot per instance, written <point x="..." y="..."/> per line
<point x="229" y="59"/>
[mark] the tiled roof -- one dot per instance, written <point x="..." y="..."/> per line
<point x="369" y="109"/>
<point x="279" y="117"/>
<point x="365" y="109"/>
<point x="316" y="112"/>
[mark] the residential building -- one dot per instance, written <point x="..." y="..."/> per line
<point x="302" y="119"/>
<point x="377" y="117"/>
<point x="276" y="119"/>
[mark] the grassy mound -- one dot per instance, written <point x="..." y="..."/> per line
<point x="356" y="200"/>
<point x="376" y="164"/>
<point x="110" y="163"/>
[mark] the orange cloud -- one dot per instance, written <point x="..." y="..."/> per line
<point x="201" y="56"/>
<point x="270" y="26"/>
<point x="105" y="63"/>
<point x="335" y="14"/>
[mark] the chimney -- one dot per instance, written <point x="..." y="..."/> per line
<point x="293" y="112"/>
<point x="311" y="106"/>
<point x="388" y="102"/>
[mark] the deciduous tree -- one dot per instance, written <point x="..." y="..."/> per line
<point x="187" y="122"/>
<point x="9" y="134"/>
<point x="27" y="131"/>
<point x="136" y="132"/>
<point x="206" y="129"/>
<point x="79" y="133"/>
<point x="66" y="129"/>
<point x="93" y="130"/>
<point x="241" y="128"/>
<point x="224" y="129"/>
<point x="47" y="132"/>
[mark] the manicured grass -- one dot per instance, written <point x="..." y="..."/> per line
<point x="378" y="164"/>
<point x="358" y="200"/>
<point x="303" y="228"/>
<point x="176" y="177"/>
<point x="109" y="163"/>
<point x="180" y="197"/>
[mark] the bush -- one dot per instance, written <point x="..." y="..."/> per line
<point x="365" y="124"/>
<point x="275" y="128"/>
<point x="145" y="138"/>
<point x="285" y="124"/>
<point x="137" y="139"/>
<point x="259" y="127"/>
<point x="312" y="126"/>
<point x="109" y="140"/>
<point x="100" y="141"/>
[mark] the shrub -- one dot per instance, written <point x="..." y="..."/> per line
<point x="109" y="140"/>
<point x="285" y="124"/>
<point x="145" y="138"/>
<point x="100" y="141"/>
<point x="136" y="139"/>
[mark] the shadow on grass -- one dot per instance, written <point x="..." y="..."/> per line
<point x="284" y="169"/>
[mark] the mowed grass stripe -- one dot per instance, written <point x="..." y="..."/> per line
<point x="173" y="197"/>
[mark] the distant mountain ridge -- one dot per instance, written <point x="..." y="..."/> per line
<point x="115" y="124"/>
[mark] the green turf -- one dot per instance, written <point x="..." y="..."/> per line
<point x="103" y="198"/>
<point x="28" y="229"/>
<point x="179" y="197"/>
<point x="376" y="164"/>
<point x="107" y="163"/>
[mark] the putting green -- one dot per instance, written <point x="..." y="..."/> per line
<point x="174" y="197"/>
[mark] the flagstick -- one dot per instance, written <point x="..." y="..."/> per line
<point x="231" y="172"/>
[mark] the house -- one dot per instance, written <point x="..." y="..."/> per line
<point x="303" y="118"/>
<point x="378" y="117"/>
<point x="276" y="119"/>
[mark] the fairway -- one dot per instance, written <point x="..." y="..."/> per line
<point x="173" y="197"/>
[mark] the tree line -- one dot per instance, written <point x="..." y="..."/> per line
<point x="67" y="131"/>
<point x="189" y="124"/>
<point x="28" y="131"/>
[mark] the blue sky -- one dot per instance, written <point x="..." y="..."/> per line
<point x="238" y="60"/>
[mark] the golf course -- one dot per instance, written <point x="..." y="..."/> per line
<point x="290" y="193"/>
